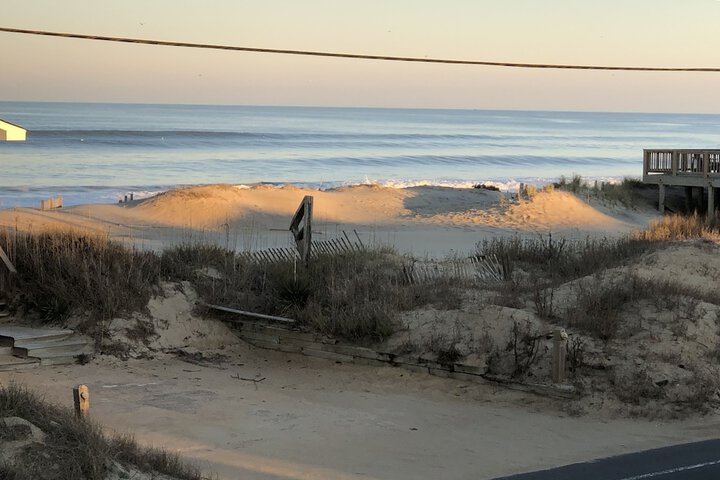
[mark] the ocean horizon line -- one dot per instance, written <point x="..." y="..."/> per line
<point x="355" y="107"/>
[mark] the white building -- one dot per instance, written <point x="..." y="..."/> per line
<point x="10" y="132"/>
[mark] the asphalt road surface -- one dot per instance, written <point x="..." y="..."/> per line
<point x="690" y="461"/>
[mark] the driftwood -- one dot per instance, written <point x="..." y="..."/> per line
<point x="256" y="380"/>
<point x="250" y="314"/>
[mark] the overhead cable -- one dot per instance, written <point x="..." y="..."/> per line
<point x="389" y="58"/>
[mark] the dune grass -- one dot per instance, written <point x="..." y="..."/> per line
<point x="354" y="295"/>
<point x="61" y="273"/>
<point x="546" y="263"/>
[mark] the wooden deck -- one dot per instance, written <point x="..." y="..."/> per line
<point x="689" y="168"/>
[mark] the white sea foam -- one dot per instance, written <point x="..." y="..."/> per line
<point x="505" y="185"/>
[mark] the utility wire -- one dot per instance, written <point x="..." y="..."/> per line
<point x="356" y="55"/>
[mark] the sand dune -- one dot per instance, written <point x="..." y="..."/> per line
<point x="421" y="220"/>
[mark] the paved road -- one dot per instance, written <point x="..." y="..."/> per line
<point x="690" y="461"/>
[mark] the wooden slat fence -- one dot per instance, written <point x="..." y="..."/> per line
<point x="480" y="268"/>
<point x="333" y="246"/>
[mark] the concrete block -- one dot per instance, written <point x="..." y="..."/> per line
<point x="337" y="357"/>
<point x="467" y="377"/>
<point x="439" y="372"/>
<point x="370" y="362"/>
<point x="361" y="352"/>
<point x="408" y="360"/>
<point x="252" y="336"/>
<point x="275" y="346"/>
<point x="413" y="368"/>
<point x="462" y="368"/>
<point x="301" y="343"/>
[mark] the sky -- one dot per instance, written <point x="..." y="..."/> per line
<point x="611" y="32"/>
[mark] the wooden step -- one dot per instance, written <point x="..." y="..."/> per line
<point x="47" y="348"/>
<point x="10" y="334"/>
<point x="10" y="363"/>
<point x="25" y="347"/>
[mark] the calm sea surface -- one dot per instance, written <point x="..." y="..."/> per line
<point x="98" y="152"/>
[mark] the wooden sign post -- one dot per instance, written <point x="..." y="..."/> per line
<point x="301" y="228"/>
<point x="81" y="397"/>
<point x="558" y="355"/>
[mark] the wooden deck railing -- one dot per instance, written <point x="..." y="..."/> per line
<point x="697" y="163"/>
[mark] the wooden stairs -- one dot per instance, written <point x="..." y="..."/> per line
<point x="25" y="347"/>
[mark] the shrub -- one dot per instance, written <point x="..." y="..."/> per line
<point x="444" y="347"/>
<point x="626" y="192"/>
<point x="576" y="184"/>
<point x="636" y="387"/>
<point x="679" y="227"/>
<point x="485" y="186"/>
<point x="524" y="343"/>
<point x="598" y="303"/>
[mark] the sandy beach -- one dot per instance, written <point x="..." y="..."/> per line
<point x="423" y="221"/>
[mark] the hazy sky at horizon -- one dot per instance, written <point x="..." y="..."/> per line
<point x="617" y="32"/>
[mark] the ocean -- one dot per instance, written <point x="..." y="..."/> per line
<point x="93" y="152"/>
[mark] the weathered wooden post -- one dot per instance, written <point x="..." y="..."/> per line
<point x="688" y="199"/>
<point x="558" y="355"/>
<point x="661" y="197"/>
<point x="81" y="397"/>
<point x="711" y="202"/>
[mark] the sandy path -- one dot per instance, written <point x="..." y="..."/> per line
<point x="315" y="419"/>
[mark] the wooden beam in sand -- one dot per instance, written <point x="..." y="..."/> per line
<point x="6" y="260"/>
<point x="250" y="314"/>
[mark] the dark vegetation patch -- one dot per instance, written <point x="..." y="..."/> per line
<point x="485" y="186"/>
